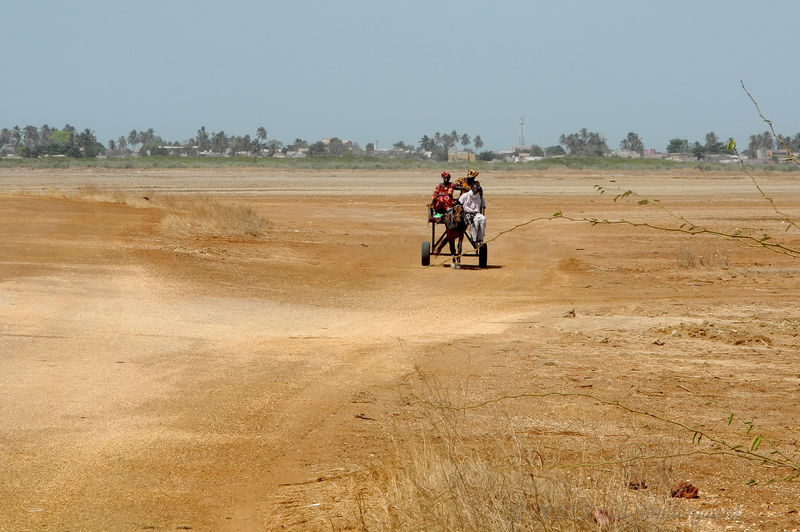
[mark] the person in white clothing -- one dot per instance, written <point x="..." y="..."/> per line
<point x="474" y="207"/>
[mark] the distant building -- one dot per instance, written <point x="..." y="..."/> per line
<point x="627" y="154"/>
<point x="454" y="155"/>
<point x="680" y="157"/>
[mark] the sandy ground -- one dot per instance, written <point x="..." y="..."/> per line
<point x="149" y="381"/>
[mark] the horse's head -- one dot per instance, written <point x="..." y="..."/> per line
<point x="455" y="217"/>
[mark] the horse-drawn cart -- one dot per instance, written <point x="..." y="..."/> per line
<point x="435" y="246"/>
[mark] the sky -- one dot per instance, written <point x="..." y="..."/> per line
<point x="373" y="71"/>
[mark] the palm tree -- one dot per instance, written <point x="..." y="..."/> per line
<point x="465" y="140"/>
<point x="202" y="138"/>
<point x="261" y="135"/>
<point x="146" y="136"/>
<point x="133" y="139"/>
<point x="86" y="142"/>
<point x="478" y="142"/>
<point x="453" y="141"/>
<point x="426" y="143"/>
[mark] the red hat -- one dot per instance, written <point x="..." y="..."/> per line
<point x="445" y="174"/>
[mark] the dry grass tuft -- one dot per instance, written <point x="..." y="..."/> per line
<point x="92" y="192"/>
<point x="708" y="256"/>
<point x="456" y="470"/>
<point x="186" y="217"/>
<point x="212" y="218"/>
<point x="447" y="485"/>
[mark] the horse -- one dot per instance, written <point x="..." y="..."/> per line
<point x="455" y="227"/>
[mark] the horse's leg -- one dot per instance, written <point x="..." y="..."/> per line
<point x="452" y="241"/>
<point x="460" y="242"/>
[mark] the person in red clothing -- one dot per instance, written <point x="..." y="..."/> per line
<point x="442" y="198"/>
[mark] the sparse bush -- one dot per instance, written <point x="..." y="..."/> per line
<point x="201" y="217"/>
<point x="454" y="470"/>
<point x="212" y="218"/>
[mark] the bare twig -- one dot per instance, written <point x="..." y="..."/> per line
<point x="686" y="226"/>
<point x="792" y="157"/>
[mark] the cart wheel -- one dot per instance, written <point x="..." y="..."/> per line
<point x="426" y="253"/>
<point x="483" y="253"/>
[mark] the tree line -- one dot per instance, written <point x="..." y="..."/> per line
<point x="585" y="143"/>
<point x="759" y="145"/>
<point x="31" y="141"/>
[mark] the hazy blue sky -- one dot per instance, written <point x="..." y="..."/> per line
<point x="392" y="71"/>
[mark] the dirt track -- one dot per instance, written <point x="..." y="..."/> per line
<point x="152" y="381"/>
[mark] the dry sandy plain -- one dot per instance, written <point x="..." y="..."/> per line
<point x="151" y="380"/>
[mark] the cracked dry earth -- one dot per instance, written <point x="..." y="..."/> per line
<point x="150" y="380"/>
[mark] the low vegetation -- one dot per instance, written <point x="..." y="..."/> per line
<point x="212" y="218"/>
<point x="374" y="163"/>
<point x="185" y="217"/>
<point x="454" y="468"/>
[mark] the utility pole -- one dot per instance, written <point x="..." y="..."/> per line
<point x="521" y="140"/>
